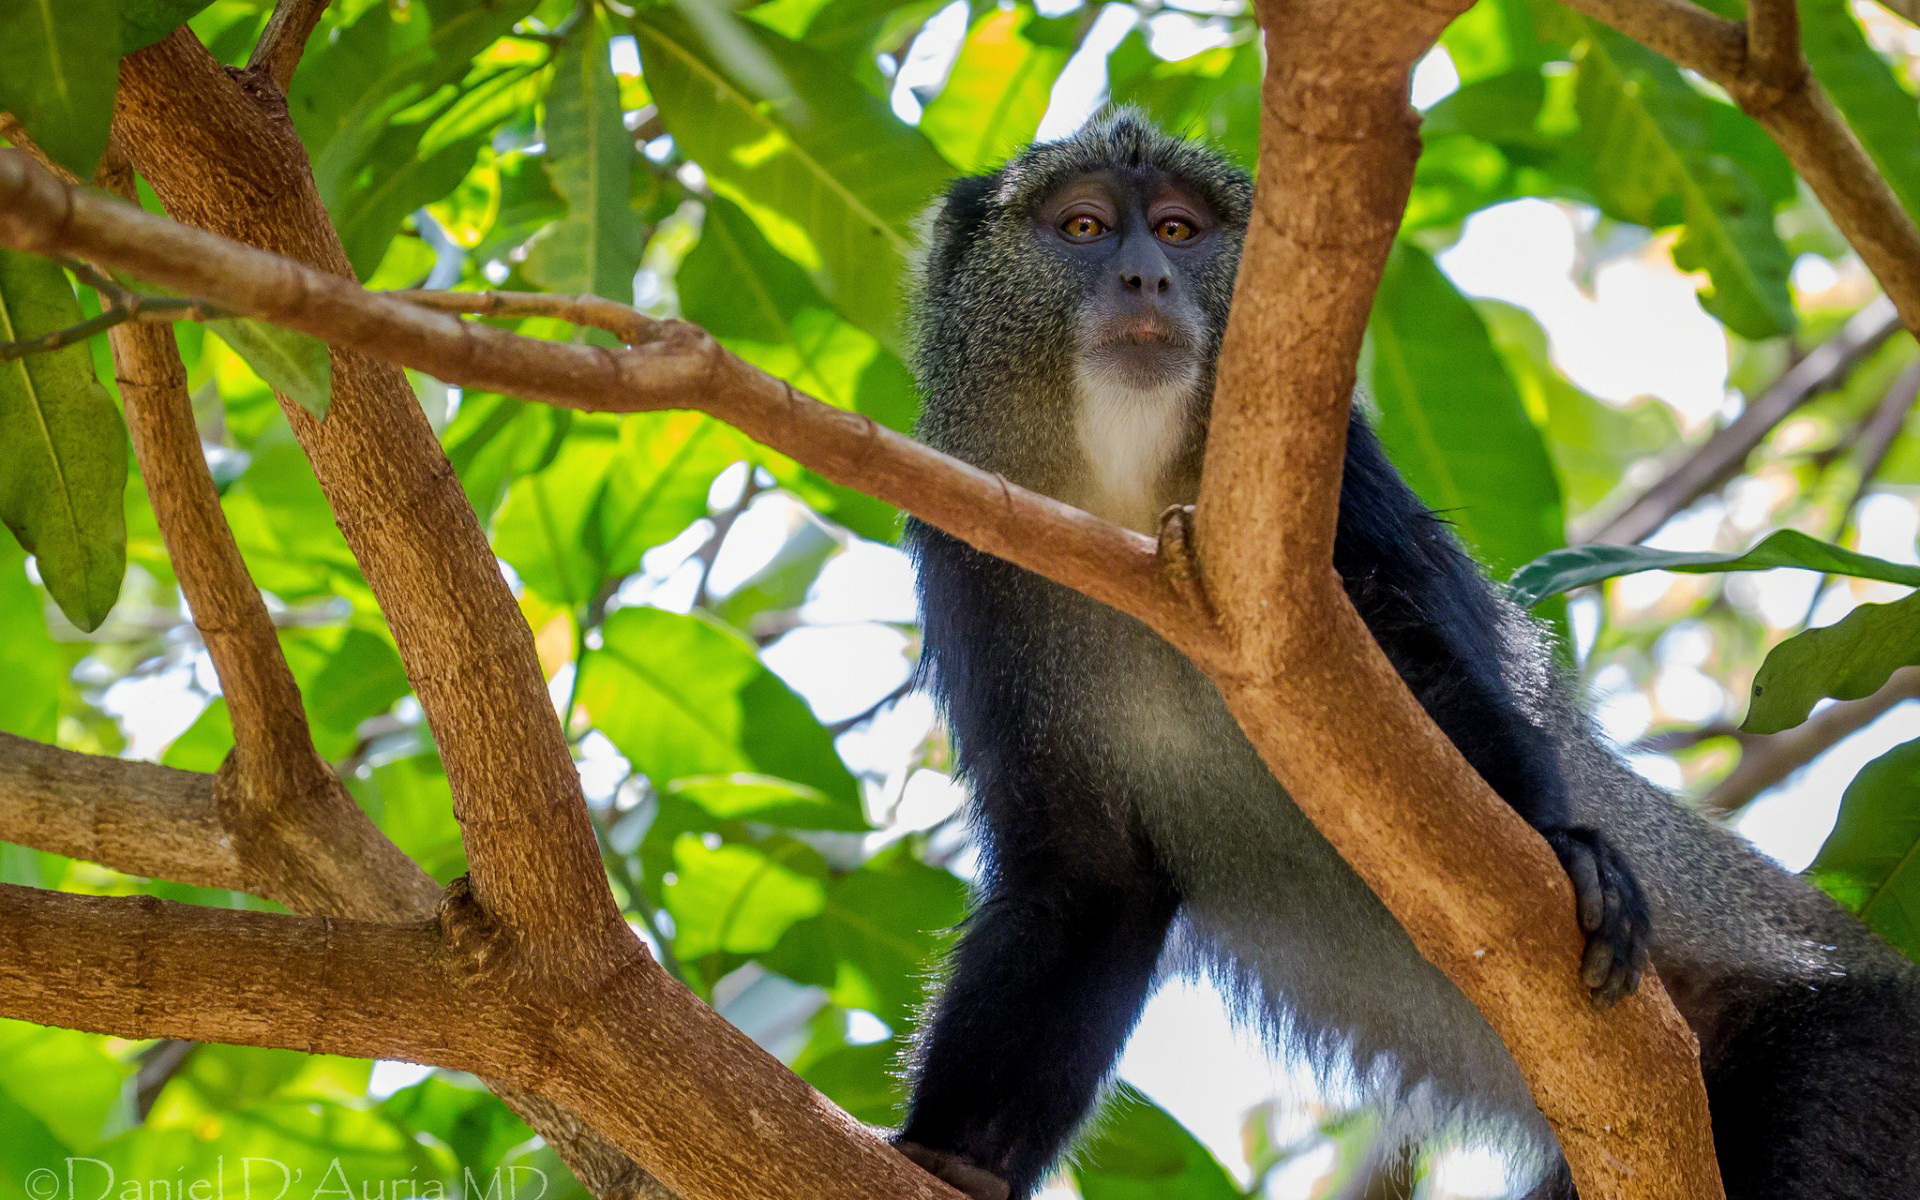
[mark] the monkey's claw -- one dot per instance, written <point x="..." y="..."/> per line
<point x="957" y="1170"/>
<point x="1612" y="909"/>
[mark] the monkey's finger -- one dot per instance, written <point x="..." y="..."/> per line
<point x="1590" y="898"/>
<point x="1597" y="964"/>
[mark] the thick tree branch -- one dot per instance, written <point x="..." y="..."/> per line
<point x="1303" y="675"/>
<point x="238" y="168"/>
<point x="285" y="38"/>
<point x="140" y="967"/>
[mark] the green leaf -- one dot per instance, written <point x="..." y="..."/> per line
<point x="740" y="899"/>
<point x="1577" y="566"/>
<point x="1139" y="1152"/>
<point x="63" y="447"/>
<point x="144" y="22"/>
<point x="1871" y="860"/>
<point x="824" y="167"/>
<point x="1846" y="660"/>
<point x="596" y="248"/>
<point x="1214" y="94"/>
<point x="1649" y="135"/>
<point x="59" y="68"/>
<point x="1863" y="86"/>
<point x="1451" y="418"/>
<point x="770" y="801"/>
<point x="682" y="695"/>
<point x="291" y="363"/>
<point x="36" y="669"/>
<point x="878" y="936"/>
<point x="999" y="87"/>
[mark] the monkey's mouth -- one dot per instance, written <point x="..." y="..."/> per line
<point x="1154" y="330"/>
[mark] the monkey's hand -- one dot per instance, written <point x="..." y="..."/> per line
<point x="957" y="1170"/>
<point x="1613" y="912"/>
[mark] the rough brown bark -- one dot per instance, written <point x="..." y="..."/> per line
<point x="237" y="168"/>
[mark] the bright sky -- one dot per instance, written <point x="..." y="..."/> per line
<point x="1636" y="329"/>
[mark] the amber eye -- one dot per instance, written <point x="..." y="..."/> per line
<point x="1083" y="228"/>
<point x="1173" y="229"/>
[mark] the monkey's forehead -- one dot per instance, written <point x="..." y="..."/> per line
<point x="1125" y="141"/>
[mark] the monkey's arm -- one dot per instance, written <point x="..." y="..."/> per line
<point x="1446" y="632"/>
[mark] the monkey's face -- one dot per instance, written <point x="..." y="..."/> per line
<point x="1142" y="246"/>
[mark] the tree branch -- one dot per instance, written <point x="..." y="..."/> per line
<point x="285" y="38"/>
<point x="239" y="169"/>
<point x="140" y="967"/>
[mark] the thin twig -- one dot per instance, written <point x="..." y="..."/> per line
<point x="1873" y="440"/>
<point x="149" y="309"/>
<point x="592" y="312"/>
<point x="285" y="38"/>
<point x="1773" y="41"/>
<point x="723" y="523"/>
<point x="1721" y="456"/>
<point x="1767" y="760"/>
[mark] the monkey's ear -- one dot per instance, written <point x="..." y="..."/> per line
<point x="962" y="211"/>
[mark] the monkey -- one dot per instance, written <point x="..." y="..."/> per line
<point x="1066" y="316"/>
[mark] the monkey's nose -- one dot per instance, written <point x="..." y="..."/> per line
<point x="1151" y="282"/>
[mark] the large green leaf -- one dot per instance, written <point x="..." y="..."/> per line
<point x="59" y="67"/>
<point x="1577" y="566"/>
<point x="1139" y="1152"/>
<point x="144" y="22"/>
<point x="823" y="166"/>
<point x="63" y="447"/>
<point x="1649" y="136"/>
<point x="1452" y="420"/>
<point x="681" y="695"/>
<point x="736" y="898"/>
<point x="290" y="362"/>
<point x="1847" y="660"/>
<point x="351" y="90"/>
<point x="1871" y="860"/>
<point x="999" y="87"/>
<point x="877" y="937"/>
<point x="36" y="669"/>
<point x="596" y="248"/>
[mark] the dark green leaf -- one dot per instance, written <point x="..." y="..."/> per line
<point x="144" y="22"/>
<point x="823" y="166"/>
<point x="1864" y="88"/>
<point x="771" y="801"/>
<point x="1451" y="419"/>
<point x="1649" y="134"/>
<point x="736" y="898"/>
<point x="596" y="248"/>
<point x="877" y="937"/>
<point x="63" y="447"/>
<point x="1139" y="1152"/>
<point x="1577" y="566"/>
<point x="291" y="363"/>
<point x="1847" y="660"/>
<point x="1871" y="860"/>
<point x="682" y="696"/>
<point x="59" y="67"/>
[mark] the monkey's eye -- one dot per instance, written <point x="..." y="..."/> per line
<point x="1083" y="228"/>
<point x="1175" y="229"/>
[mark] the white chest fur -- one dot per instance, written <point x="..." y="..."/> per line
<point x="1130" y="435"/>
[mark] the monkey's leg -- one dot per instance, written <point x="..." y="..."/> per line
<point x="1049" y="978"/>
<point x="1815" y="1092"/>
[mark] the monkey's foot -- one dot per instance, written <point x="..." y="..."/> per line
<point x="957" y="1170"/>
<point x="1613" y="912"/>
